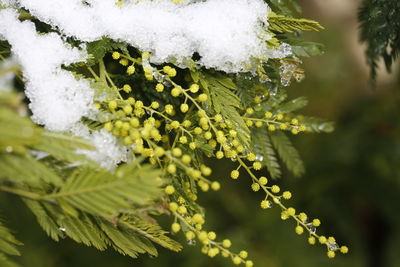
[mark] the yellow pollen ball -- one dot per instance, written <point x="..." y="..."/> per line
<point x="169" y="190"/>
<point x="237" y="260"/>
<point x="344" y="249"/>
<point x="226" y="243"/>
<point x="173" y="206"/>
<point x="234" y="174"/>
<point x="194" y="88"/>
<point x="287" y="195"/>
<point x="243" y="254"/>
<point x="116" y="55"/>
<point x="159" y="87"/>
<point x="215" y="186"/>
<point x="257" y="165"/>
<point x="190" y="235"/>
<point x="211" y="235"/>
<point x="275" y="189"/>
<point x="202" y="97"/>
<point x="265" y="204"/>
<point x="299" y="230"/>
<point x="255" y="187"/>
<point x="263" y="180"/>
<point x="175" y="227"/>
<point x="182" y="210"/>
<point x="130" y="70"/>
<point x="127" y="88"/>
<point x="316" y="222"/>
<point x="331" y="254"/>
<point x="112" y="104"/>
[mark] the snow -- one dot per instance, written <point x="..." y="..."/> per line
<point x="58" y="99"/>
<point x="227" y="34"/>
<point x="108" y="152"/>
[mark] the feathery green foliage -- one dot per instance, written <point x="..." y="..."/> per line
<point x="283" y="24"/>
<point x="168" y="119"/>
<point x="98" y="49"/>
<point x="103" y="193"/>
<point x="288" y="153"/>
<point x="286" y="7"/>
<point x="263" y="146"/>
<point x="380" y="30"/>
<point x="79" y="202"/>
<point x="8" y="247"/>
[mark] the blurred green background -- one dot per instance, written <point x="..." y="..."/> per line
<point x="352" y="181"/>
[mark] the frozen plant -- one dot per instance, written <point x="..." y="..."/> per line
<point x="156" y="87"/>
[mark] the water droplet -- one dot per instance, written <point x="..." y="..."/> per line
<point x="9" y="149"/>
<point x="264" y="79"/>
<point x="62" y="229"/>
<point x="167" y="83"/>
<point x="277" y="199"/>
<point x="332" y="246"/>
<point x="299" y="76"/>
<point x="191" y="242"/>
<point x="283" y="51"/>
<point x="234" y="159"/>
<point x="259" y="157"/>
<point x="312" y="228"/>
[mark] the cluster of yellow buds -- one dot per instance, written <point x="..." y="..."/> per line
<point x="273" y="196"/>
<point x="275" y="122"/>
<point x="170" y="133"/>
<point x="193" y="225"/>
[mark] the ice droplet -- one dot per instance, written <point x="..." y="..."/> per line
<point x="277" y="199"/>
<point x="191" y="242"/>
<point x="312" y="228"/>
<point x="332" y="246"/>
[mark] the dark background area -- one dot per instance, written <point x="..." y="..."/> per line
<point x="352" y="181"/>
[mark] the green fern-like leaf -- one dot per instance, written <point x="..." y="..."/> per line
<point x="4" y="260"/>
<point x="151" y="231"/>
<point x="44" y="218"/>
<point x="293" y="105"/>
<point x="83" y="230"/>
<point x="288" y="153"/>
<point x="303" y="48"/>
<point x="286" y="7"/>
<point x="98" y="49"/>
<point x="16" y="132"/>
<point x="262" y="146"/>
<point x="317" y="125"/>
<point x="8" y="245"/>
<point x="103" y="193"/>
<point x="224" y="101"/>
<point x="127" y="241"/>
<point x="25" y="169"/>
<point x="380" y="30"/>
<point x="64" y="147"/>
<point x="283" y="24"/>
